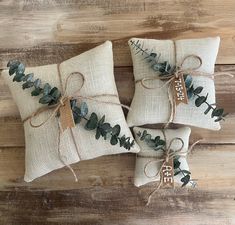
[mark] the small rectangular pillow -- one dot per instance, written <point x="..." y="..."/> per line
<point x="146" y="166"/>
<point x="150" y="106"/>
<point x="76" y="144"/>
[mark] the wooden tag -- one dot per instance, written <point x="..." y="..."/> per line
<point x="180" y="92"/>
<point x="167" y="174"/>
<point x="66" y="116"/>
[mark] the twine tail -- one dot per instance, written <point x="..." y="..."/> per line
<point x="153" y="192"/>
<point x="194" y="143"/>
<point x="61" y="157"/>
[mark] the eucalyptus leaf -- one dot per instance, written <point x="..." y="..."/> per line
<point x="28" y="77"/>
<point x="37" y="83"/>
<point x="27" y="84"/>
<point x="200" y="100"/>
<point x="55" y="93"/>
<point x="185" y="180"/>
<point x="45" y="99"/>
<point x="198" y="90"/>
<point x="20" y="69"/>
<point x="116" y="130"/>
<point x="92" y="122"/>
<point x="98" y="134"/>
<point x="176" y="164"/>
<point x="208" y="109"/>
<point x="36" y="92"/>
<point x="46" y="89"/>
<point x="188" y="81"/>
<point x="182" y="171"/>
<point x="84" y="109"/>
<point x="101" y="120"/>
<point x="18" y="77"/>
<point x="114" y="140"/>
<point x="13" y="66"/>
<point x="217" y="112"/>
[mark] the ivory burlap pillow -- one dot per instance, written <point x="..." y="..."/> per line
<point x="147" y="154"/>
<point x="42" y="143"/>
<point x="150" y="106"/>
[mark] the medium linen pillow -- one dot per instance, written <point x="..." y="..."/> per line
<point x="148" y="154"/>
<point x="150" y="106"/>
<point x="76" y="144"/>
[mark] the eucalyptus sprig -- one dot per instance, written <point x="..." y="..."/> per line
<point x="157" y="144"/>
<point x="165" y="69"/>
<point x="51" y="95"/>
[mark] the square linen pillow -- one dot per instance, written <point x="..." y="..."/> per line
<point x="150" y="106"/>
<point x="42" y="143"/>
<point x="147" y="154"/>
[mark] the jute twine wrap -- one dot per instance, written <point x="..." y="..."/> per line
<point x="56" y="108"/>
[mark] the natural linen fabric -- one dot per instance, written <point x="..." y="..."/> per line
<point x="42" y="143"/>
<point x="150" y="106"/>
<point x="147" y="154"/>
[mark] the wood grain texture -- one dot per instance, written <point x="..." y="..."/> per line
<point x="40" y="32"/>
<point x="27" y="23"/>
<point x="107" y="196"/>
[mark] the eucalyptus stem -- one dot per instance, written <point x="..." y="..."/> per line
<point x="165" y="69"/>
<point x="51" y="95"/>
<point x="156" y="143"/>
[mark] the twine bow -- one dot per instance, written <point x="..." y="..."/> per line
<point x="168" y="155"/>
<point x="176" y="73"/>
<point x="62" y="101"/>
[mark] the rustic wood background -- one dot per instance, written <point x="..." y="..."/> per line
<point x="43" y="31"/>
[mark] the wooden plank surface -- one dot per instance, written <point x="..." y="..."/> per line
<point x="42" y="32"/>
<point x="34" y="23"/>
<point x="107" y="196"/>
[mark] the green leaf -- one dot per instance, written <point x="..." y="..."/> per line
<point x="208" y="110"/>
<point x="27" y="84"/>
<point x="18" y="77"/>
<point x="55" y="93"/>
<point x="143" y="135"/>
<point x="13" y="66"/>
<point x="147" y="137"/>
<point x="122" y="140"/>
<point x="217" y="112"/>
<point x="200" y="100"/>
<point x="185" y="180"/>
<point x="46" y="89"/>
<point x="45" y="99"/>
<point x="37" y="83"/>
<point x="182" y="171"/>
<point x="190" y="92"/>
<point x="36" y="92"/>
<point x="20" y="69"/>
<point x="219" y="119"/>
<point x="84" y="109"/>
<point x="13" y="63"/>
<point x="106" y="127"/>
<point x="92" y="122"/>
<point x="76" y="114"/>
<point x="198" y="90"/>
<point x="138" y="134"/>
<point x="176" y="164"/>
<point x="161" y="142"/>
<point x="114" y="140"/>
<point x="101" y="120"/>
<point x="188" y="81"/>
<point x="28" y="77"/>
<point x="98" y="134"/>
<point x="116" y="130"/>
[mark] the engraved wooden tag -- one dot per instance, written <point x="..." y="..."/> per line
<point x="66" y="116"/>
<point x="180" y="92"/>
<point x="167" y="174"/>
